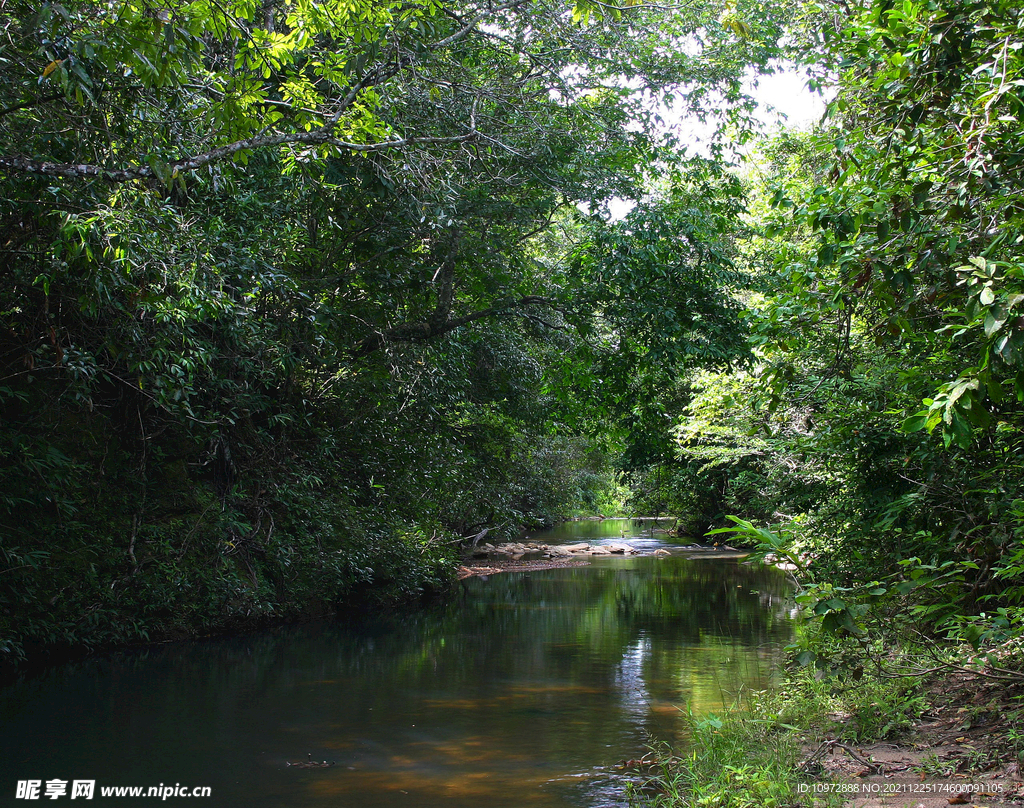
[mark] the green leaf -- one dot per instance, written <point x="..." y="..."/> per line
<point x="915" y="423"/>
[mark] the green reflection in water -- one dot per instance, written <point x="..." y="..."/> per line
<point x="524" y="691"/>
<point x="609" y="529"/>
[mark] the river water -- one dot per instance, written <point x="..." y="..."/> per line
<point x="524" y="691"/>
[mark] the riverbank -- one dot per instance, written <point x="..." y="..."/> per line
<point x="531" y="556"/>
<point x="478" y="567"/>
<point x="211" y="591"/>
<point x="947" y="737"/>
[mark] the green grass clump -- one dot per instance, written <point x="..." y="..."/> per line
<point x="862" y="709"/>
<point x="750" y="756"/>
<point x="745" y="758"/>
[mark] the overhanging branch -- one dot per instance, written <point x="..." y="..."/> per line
<point x="320" y="137"/>
<point x="421" y="332"/>
<point x="26" y="165"/>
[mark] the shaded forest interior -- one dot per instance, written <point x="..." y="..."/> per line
<point x="298" y="296"/>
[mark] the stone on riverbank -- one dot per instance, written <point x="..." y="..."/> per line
<point x="530" y="556"/>
<point x="517" y="551"/>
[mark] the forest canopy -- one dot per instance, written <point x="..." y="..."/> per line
<point x="300" y="296"/>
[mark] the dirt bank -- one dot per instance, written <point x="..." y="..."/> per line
<point x="965" y="749"/>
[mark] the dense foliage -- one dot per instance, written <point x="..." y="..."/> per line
<point x="279" y="329"/>
<point x="299" y="296"/>
<point x="877" y="429"/>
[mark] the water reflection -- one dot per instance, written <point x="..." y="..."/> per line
<point x="523" y="692"/>
<point x="644" y="534"/>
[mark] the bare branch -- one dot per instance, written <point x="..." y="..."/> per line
<point x="421" y="332"/>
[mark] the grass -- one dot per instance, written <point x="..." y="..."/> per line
<point x="732" y="761"/>
<point x="750" y="756"/>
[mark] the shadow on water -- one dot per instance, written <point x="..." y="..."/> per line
<point x="523" y="691"/>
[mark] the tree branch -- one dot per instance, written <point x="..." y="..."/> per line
<point x="26" y="165"/>
<point x="322" y="136"/>
<point x="421" y="332"/>
<point x="29" y="104"/>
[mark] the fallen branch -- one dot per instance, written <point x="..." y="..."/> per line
<point x="831" y="746"/>
<point x="479" y="537"/>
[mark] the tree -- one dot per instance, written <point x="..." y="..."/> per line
<point x="894" y="233"/>
<point x="274" y="325"/>
<point x="922" y="214"/>
<point x="155" y="92"/>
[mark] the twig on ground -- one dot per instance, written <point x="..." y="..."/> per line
<point x="833" y="744"/>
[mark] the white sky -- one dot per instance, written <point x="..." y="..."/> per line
<point x="786" y="92"/>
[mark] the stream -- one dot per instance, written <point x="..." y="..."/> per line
<point x="524" y="690"/>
